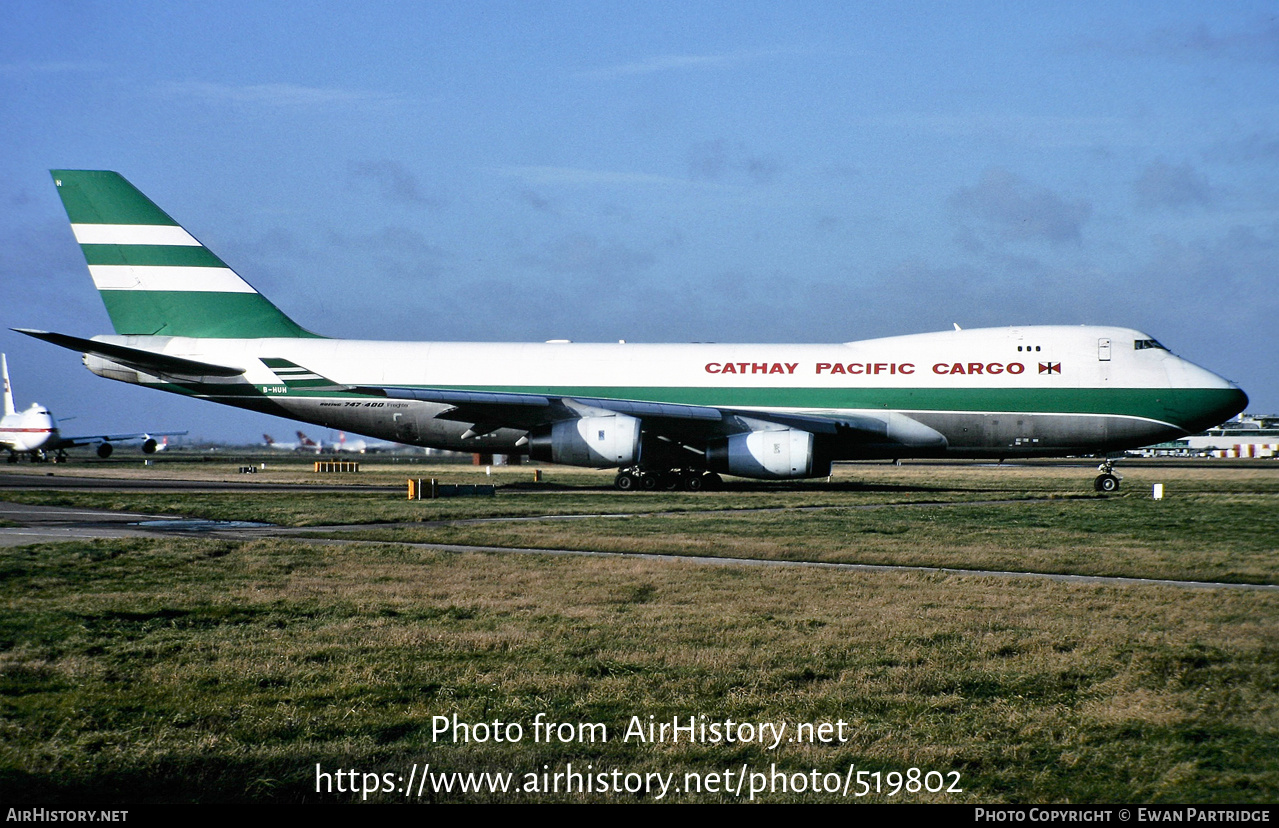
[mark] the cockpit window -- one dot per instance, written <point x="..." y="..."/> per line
<point x="1143" y="344"/>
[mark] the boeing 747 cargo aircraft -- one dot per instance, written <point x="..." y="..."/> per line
<point x="664" y="415"/>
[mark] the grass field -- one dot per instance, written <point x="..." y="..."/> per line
<point x="201" y="670"/>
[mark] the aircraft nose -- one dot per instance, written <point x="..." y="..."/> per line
<point x="1201" y="399"/>
<point x="1233" y="403"/>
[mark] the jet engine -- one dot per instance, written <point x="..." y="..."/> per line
<point x="149" y="445"/>
<point x="105" y="449"/>
<point x="784" y="453"/>
<point x="598" y="442"/>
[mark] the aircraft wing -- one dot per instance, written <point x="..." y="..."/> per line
<point x="490" y="410"/>
<point x="149" y="362"/>
<point x="95" y="439"/>
<point x="516" y="410"/>
<point x="498" y="409"/>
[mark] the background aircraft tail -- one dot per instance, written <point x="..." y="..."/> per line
<point x="8" y="391"/>
<point x="154" y="277"/>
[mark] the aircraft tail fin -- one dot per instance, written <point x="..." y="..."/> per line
<point x="154" y="277"/>
<point x="8" y="390"/>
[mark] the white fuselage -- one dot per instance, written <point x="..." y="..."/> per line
<point x="28" y="431"/>
<point x="991" y="392"/>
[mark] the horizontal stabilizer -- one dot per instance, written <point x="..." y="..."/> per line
<point x="148" y="362"/>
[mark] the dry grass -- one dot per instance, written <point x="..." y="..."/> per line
<point x="1064" y="476"/>
<point x="176" y="670"/>
<point x="193" y="670"/>
<point x="1199" y="537"/>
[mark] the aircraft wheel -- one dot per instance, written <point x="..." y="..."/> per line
<point x="694" y="482"/>
<point x="625" y="482"/>
<point x="711" y="481"/>
<point x="649" y="482"/>
<point x="1106" y="483"/>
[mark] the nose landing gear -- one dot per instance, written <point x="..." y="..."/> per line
<point x="1108" y="480"/>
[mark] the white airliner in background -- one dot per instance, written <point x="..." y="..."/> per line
<point x="34" y="432"/>
<point x="664" y="415"/>
<point x="360" y="445"/>
<point x="304" y="443"/>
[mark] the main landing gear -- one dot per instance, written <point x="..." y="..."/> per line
<point x="1108" y="480"/>
<point x="689" y="480"/>
<point x="36" y="456"/>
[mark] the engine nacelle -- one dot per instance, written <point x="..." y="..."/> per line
<point x="149" y="445"/>
<point x="111" y="370"/>
<point x="597" y="442"/>
<point x="104" y="450"/>
<point x="785" y="453"/>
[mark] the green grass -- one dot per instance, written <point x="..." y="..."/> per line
<point x="206" y="671"/>
<point x="348" y="508"/>
<point x="1204" y="538"/>
<point x="202" y="670"/>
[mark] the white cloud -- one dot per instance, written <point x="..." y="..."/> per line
<point x="273" y="94"/>
<point x="676" y="63"/>
<point x="50" y="67"/>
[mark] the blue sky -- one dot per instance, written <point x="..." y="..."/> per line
<point x="796" y="172"/>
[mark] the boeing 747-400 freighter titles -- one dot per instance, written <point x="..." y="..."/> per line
<point x="664" y="415"/>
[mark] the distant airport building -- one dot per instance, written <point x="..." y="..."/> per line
<point x="1245" y="436"/>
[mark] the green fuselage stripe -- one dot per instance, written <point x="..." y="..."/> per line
<point x="1192" y="409"/>
<point x="197" y="314"/>
<point x="142" y="255"/>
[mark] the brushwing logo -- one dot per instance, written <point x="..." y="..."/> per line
<point x="1050" y="367"/>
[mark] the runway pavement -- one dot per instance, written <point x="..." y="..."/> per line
<point x="43" y="524"/>
<point x="70" y="482"/>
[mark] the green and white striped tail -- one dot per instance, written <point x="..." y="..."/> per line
<point x="154" y="277"/>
